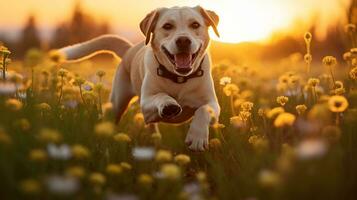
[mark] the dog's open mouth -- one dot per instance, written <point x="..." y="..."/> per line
<point x="182" y="61"/>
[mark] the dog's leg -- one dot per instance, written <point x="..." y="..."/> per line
<point x="197" y="136"/>
<point x="121" y="93"/>
<point x="159" y="106"/>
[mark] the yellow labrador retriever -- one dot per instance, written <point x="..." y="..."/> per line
<point x="170" y="71"/>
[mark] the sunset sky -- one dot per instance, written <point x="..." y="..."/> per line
<point x="241" y="20"/>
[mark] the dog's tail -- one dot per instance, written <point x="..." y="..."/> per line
<point x="103" y="44"/>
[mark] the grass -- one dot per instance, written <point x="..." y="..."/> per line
<point x="56" y="144"/>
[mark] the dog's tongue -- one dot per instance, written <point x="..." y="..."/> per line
<point x="183" y="60"/>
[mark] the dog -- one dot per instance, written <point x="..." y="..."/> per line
<point x="170" y="71"/>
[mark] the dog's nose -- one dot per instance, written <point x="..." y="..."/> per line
<point x="183" y="43"/>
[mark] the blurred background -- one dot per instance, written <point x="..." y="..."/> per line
<point x="254" y="29"/>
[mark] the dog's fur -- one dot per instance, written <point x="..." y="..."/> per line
<point x="161" y="99"/>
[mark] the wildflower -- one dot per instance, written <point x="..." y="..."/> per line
<point x="43" y="107"/>
<point x="182" y="159"/>
<point x="56" y="56"/>
<point x="284" y="119"/>
<point x="268" y="178"/>
<point x="75" y="171"/>
<point x="145" y="179"/>
<point x="62" y="152"/>
<point x="80" y="151"/>
<point x="337" y="103"/>
<point x="49" y="136"/>
<point x="329" y="61"/>
<point x="79" y="81"/>
<point x="338" y="84"/>
<point x="247" y="106"/>
<point x="313" y="82"/>
<point x="97" y="178"/>
<point x="282" y="100"/>
<point x="237" y="121"/>
<point x="353" y="73"/>
<point x="274" y="112"/>
<point x="104" y="129"/>
<point x="225" y="80"/>
<point x="339" y="91"/>
<point x="122" y="137"/>
<point x="201" y="176"/>
<point x="125" y="166"/>
<point x="307" y="37"/>
<point x="62" y="72"/>
<point x="170" y="171"/>
<point x="100" y="73"/>
<point x="301" y="109"/>
<point x="259" y="144"/>
<point x="143" y="153"/>
<point x="215" y="143"/>
<point x="311" y="148"/>
<point x="308" y="58"/>
<point x="13" y="104"/>
<point x="163" y="156"/>
<point x="347" y="56"/>
<point x="114" y="169"/>
<point x="156" y="137"/>
<point x="139" y="119"/>
<point x="38" y="155"/>
<point x="62" y="184"/>
<point x="230" y="89"/>
<point x="30" y="186"/>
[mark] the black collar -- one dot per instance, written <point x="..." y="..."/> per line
<point x="163" y="72"/>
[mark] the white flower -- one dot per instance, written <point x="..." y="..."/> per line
<point x="71" y="104"/>
<point x="7" y="88"/>
<point x="225" y="80"/>
<point x="62" y="184"/>
<point x="62" y="152"/>
<point x="113" y="196"/>
<point x="311" y="148"/>
<point x="143" y="153"/>
<point x="192" y="190"/>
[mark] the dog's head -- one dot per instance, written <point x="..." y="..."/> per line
<point x="179" y="36"/>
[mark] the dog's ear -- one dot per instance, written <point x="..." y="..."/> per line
<point x="211" y="18"/>
<point x="147" y="25"/>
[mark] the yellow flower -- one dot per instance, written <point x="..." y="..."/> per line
<point x="43" y="107"/>
<point x="308" y="58"/>
<point x="329" y="61"/>
<point x="353" y="73"/>
<point x="230" y="89"/>
<point x="274" y="112"/>
<point x="37" y="155"/>
<point x="22" y="124"/>
<point x="49" y="136"/>
<point x="201" y="176"/>
<point x="282" y="100"/>
<point x="225" y="80"/>
<point x="218" y="126"/>
<point x="97" y="178"/>
<point x="80" y="151"/>
<point x="62" y="72"/>
<point x="30" y="186"/>
<point x="247" y="106"/>
<point x="337" y="103"/>
<point x="284" y="119"/>
<point x="125" y="166"/>
<point x="301" y="109"/>
<point x="79" y="81"/>
<point x="171" y="171"/>
<point x="76" y="171"/>
<point x="104" y="129"/>
<point x="339" y="91"/>
<point x="145" y="179"/>
<point x="268" y="178"/>
<point x="114" y="169"/>
<point x="56" y="56"/>
<point x="182" y="159"/>
<point x="139" y="119"/>
<point x="100" y="73"/>
<point x="163" y="156"/>
<point x="244" y="115"/>
<point x="13" y="104"/>
<point x="313" y="82"/>
<point x="122" y="137"/>
<point x="215" y="143"/>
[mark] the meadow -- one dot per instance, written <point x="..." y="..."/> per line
<point x="286" y="131"/>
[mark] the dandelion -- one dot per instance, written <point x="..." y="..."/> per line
<point x="337" y="104"/>
<point x="125" y="166"/>
<point x="30" y="186"/>
<point x="300" y="109"/>
<point x="230" y="89"/>
<point x="225" y="80"/>
<point x="97" y="178"/>
<point x="310" y="149"/>
<point x="143" y="153"/>
<point x="247" y="106"/>
<point x="114" y="169"/>
<point x="13" y="104"/>
<point x="49" y="136"/>
<point x="282" y="100"/>
<point x="182" y="159"/>
<point x="353" y="74"/>
<point x="100" y="74"/>
<point x="139" y="119"/>
<point x="38" y="155"/>
<point x="122" y="137"/>
<point x="284" y="119"/>
<point x="171" y="171"/>
<point x="76" y="171"/>
<point x="274" y="112"/>
<point x="163" y="156"/>
<point x="313" y="82"/>
<point x="330" y="62"/>
<point x="269" y="178"/>
<point x="145" y="179"/>
<point x="104" y="129"/>
<point x="56" y="56"/>
<point x="80" y="152"/>
<point x="215" y="143"/>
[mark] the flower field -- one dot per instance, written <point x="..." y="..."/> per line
<point x="284" y="133"/>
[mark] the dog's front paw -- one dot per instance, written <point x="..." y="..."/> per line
<point x="197" y="140"/>
<point x="169" y="111"/>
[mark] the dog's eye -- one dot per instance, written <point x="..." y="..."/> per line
<point x="195" y="25"/>
<point x="168" y="26"/>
